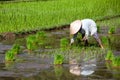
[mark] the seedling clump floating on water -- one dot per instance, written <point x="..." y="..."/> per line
<point x="64" y="44"/>
<point x="31" y="42"/>
<point x="116" y="61"/>
<point x="58" y="59"/>
<point x="41" y="36"/>
<point x="34" y="41"/>
<point x="111" y="30"/>
<point x="109" y="55"/>
<point x="11" y="54"/>
<point x="16" y="48"/>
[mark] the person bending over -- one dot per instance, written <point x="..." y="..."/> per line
<point x="86" y="27"/>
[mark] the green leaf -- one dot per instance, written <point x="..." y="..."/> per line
<point x="109" y="55"/>
<point x="58" y="59"/>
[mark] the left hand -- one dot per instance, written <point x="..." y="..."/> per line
<point x="71" y="41"/>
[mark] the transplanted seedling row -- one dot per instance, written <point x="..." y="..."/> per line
<point x="114" y="60"/>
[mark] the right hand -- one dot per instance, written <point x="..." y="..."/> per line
<point x="84" y="38"/>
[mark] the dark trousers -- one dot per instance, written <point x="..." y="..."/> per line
<point x="82" y="31"/>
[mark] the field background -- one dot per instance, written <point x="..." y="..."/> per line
<point x="41" y="14"/>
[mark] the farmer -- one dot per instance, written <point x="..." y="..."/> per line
<point x="86" y="27"/>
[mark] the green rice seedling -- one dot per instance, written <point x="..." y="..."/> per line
<point x="111" y="30"/>
<point x="109" y="55"/>
<point x="10" y="55"/>
<point x="31" y="42"/>
<point x="64" y="44"/>
<point x="116" y="61"/>
<point x="41" y="34"/>
<point x="16" y="17"/>
<point x="48" y="47"/>
<point x="105" y="41"/>
<point x="58" y="59"/>
<point x="16" y="48"/>
<point x="98" y="29"/>
<point x="41" y="37"/>
<point x="78" y="41"/>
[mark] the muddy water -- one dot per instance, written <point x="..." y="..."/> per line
<point x="39" y="66"/>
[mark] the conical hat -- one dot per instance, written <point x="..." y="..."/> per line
<point x="75" y="26"/>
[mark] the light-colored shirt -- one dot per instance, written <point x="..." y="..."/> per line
<point x="89" y="26"/>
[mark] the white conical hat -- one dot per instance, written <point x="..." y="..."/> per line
<point x="75" y="26"/>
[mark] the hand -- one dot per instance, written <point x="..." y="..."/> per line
<point x="84" y="38"/>
<point x="71" y="41"/>
<point x="102" y="46"/>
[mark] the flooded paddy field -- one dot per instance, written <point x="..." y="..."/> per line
<point x="38" y="65"/>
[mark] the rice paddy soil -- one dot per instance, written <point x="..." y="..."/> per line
<point x="39" y="65"/>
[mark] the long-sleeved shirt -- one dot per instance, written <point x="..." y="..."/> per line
<point x="89" y="26"/>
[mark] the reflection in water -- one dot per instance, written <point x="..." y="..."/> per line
<point x="74" y="67"/>
<point x="58" y="70"/>
<point x="84" y="69"/>
<point x="115" y="71"/>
